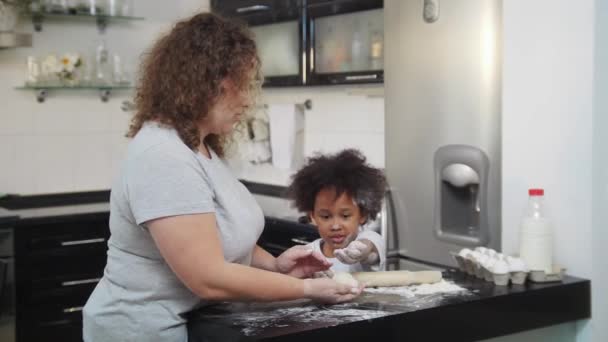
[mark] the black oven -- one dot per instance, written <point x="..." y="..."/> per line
<point x="7" y="286"/>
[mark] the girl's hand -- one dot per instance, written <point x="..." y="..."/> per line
<point x="362" y="251"/>
<point x="301" y="262"/>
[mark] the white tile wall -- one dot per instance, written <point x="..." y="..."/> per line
<point x="341" y="117"/>
<point x="73" y="141"/>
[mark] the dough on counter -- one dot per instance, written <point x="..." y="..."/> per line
<point x="346" y="279"/>
<point x="397" y="278"/>
<point x="388" y="278"/>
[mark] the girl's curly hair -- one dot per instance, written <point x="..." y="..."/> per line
<point x="180" y="77"/>
<point x="346" y="171"/>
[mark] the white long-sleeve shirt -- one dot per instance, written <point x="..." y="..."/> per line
<point x="372" y="236"/>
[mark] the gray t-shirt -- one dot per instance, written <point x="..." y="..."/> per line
<point x="139" y="298"/>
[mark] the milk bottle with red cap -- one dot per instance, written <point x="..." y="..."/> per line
<point x="536" y="234"/>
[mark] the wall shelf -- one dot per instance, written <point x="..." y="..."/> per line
<point x="102" y="20"/>
<point x="104" y="91"/>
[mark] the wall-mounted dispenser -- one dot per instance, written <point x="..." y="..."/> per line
<point x="461" y="174"/>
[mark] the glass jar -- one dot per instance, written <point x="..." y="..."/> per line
<point x="33" y="71"/>
<point x="57" y="6"/>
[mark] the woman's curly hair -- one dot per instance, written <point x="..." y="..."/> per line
<point x="346" y="171"/>
<point x="180" y="77"/>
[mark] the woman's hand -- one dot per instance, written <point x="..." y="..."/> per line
<point x="301" y="262"/>
<point x="362" y="251"/>
<point x="327" y="290"/>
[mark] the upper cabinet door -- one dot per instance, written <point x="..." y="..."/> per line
<point x="278" y="29"/>
<point x="346" y="42"/>
<point x="280" y="47"/>
<point x="314" y="42"/>
<point x="257" y="12"/>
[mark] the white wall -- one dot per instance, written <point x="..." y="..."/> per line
<point x="73" y="141"/>
<point x="547" y="128"/>
<point x="547" y="120"/>
<point x="341" y="117"/>
<point x="600" y="176"/>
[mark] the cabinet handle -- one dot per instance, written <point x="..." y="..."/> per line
<point x="274" y="245"/>
<point x="361" y="77"/>
<point x="73" y="309"/>
<point x="82" y="242"/>
<point x="253" y="8"/>
<point x="300" y="241"/>
<point x="80" y="282"/>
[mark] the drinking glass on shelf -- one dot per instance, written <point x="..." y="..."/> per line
<point x="98" y="7"/>
<point x="115" y="7"/>
<point x="127" y="8"/>
<point x="117" y="69"/>
<point x="57" y="6"/>
<point x="102" y="64"/>
<point x="87" y="69"/>
<point x="33" y="71"/>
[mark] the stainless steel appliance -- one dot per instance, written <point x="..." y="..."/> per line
<point x="442" y="105"/>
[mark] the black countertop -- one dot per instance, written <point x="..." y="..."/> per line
<point x="27" y="209"/>
<point x="483" y="311"/>
<point x="54" y="207"/>
<point x="55" y="214"/>
<point x="7" y="218"/>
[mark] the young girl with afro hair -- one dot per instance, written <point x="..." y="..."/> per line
<point x="341" y="192"/>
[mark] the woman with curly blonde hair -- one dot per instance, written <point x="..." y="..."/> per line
<point x="183" y="229"/>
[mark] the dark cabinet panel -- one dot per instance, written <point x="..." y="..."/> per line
<point x="258" y="12"/>
<point x="57" y="266"/>
<point x="279" y="235"/>
<point x="314" y="42"/>
<point x="279" y="34"/>
<point x="346" y="42"/>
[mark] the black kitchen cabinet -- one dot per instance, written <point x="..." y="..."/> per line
<point x="57" y="265"/>
<point x="278" y="27"/>
<point x="279" y="235"/>
<point x="346" y="42"/>
<point x="314" y="42"/>
<point x="60" y="255"/>
<point x="258" y="12"/>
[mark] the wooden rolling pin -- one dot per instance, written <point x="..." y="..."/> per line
<point x="389" y="278"/>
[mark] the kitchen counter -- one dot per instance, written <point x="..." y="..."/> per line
<point x="76" y="205"/>
<point x="66" y="213"/>
<point x="54" y="207"/>
<point x="7" y="218"/>
<point x="483" y="311"/>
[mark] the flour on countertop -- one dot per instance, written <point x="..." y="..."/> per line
<point x="253" y="319"/>
<point x="423" y="289"/>
<point x="331" y="315"/>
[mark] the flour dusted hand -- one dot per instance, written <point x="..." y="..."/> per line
<point x="324" y="274"/>
<point x="346" y="279"/>
<point x="301" y="262"/>
<point x="362" y="251"/>
<point x="327" y="290"/>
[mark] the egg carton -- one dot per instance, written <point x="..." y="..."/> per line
<point x="475" y="269"/>
<point x="557" y="274"/>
